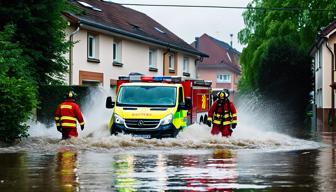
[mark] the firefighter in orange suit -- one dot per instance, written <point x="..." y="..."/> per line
<point x="222" y="115"/>
<point x="66" y="116"/>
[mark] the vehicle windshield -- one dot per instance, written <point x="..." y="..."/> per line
<point x="158" y="96"/>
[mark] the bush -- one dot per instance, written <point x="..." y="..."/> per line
<point x="17" y="90"/>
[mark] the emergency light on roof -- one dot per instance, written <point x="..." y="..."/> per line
<point x="142" y="78"/>
<point x="202" y="83"/>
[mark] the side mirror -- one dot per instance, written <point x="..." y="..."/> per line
<point x="188" y="102"/>
<point x="109" y="103"/>
<point x="186" y="105"/>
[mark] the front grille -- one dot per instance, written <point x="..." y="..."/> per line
<point x="142" y="123"/>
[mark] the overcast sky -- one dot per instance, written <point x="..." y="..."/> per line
<point x="188" y="23"/>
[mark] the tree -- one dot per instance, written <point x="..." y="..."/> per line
<point x="17" y="89"/>
<point x="276" y="60"/>
<point x="41" y="35"/>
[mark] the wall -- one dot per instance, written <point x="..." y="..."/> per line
<point x="211" y="74"/>
<point x="134" y="58"/>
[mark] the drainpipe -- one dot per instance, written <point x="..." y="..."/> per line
<point x="332" y="82"/>
<point x="70" y="55"/>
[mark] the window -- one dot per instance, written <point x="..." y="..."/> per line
<point x="92" y="46"/>
<point x="185" y="65"/>
<point x="180" y="95"/>
<point x="152" y="58"/>
<point x="224" y="78"/>
<point x="117" y="51"/>
<point x="171" y="62"/>
<point x="91" y="83"/>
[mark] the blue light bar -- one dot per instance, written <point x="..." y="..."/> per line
<point x="162" y="78"/>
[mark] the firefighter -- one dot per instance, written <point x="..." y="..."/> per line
<point x="66" y="116"/>
<point x="222" y="115"/>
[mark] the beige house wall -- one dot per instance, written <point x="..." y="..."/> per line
<point x="134" y="57"/>
<point x="323" y="80"/>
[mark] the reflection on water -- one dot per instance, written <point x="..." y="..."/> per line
<point x="174" y="169"/>
<point x="67" y="169"/>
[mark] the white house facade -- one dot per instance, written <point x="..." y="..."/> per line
<point x="109" y="44"/>
<point x="323" y="53"/>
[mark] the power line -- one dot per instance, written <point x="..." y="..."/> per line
<point x="230" y="7"/>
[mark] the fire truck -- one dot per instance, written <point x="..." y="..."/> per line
<point x="157" y="106"/>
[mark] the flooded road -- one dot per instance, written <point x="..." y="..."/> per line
<point x="258" y="157"/>
<point x="195" y="161"/>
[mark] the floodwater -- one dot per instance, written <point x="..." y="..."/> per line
<point x="256" y="158"/>
<point x="190" y="162"/>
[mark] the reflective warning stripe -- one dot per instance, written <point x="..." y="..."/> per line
<point x="234" y="121"/>
<point x="69" y="124"/>
<point x="234" y="115"/>
<point x="58" y="124"/>
<point x="66" y="107"/>
<point x="82" y="123"/>
<point x="179" y="119"/>
<point x="219" y="122"/>
<point x="219" y="115"/>
<point x="68" y="118"/>
<point x="57" y="118"/>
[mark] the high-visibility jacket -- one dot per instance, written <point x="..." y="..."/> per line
<point x="222" y="114"/>
<point x="67" y="114"/>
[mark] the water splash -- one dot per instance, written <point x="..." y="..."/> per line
<point x="256" y="130"/>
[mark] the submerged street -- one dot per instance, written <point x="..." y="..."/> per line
<point x="194" y="161"/>
<point x="261" y="155"/>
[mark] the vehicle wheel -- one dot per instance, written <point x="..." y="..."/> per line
<point x="201" y="119"/>
<point x="113" y="132"/>
<point x="175" y="133"/>
<point x="205" y="119"/>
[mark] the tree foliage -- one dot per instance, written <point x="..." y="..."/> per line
<point x="17" y="89"/>
<point x="33" y="44"/>
<point x="40" y="32"/>
<point x="276" y="60"/>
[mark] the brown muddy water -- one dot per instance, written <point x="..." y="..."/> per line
<point x="194" y="161"/>
<point x="256" y="158"/>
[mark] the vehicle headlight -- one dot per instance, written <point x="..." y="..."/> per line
<point x="118" y="119"/>
<point x="167" y="119"/>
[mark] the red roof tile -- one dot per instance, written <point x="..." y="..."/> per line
<point x="118" y="19"/>
<point x="220" y="54"/>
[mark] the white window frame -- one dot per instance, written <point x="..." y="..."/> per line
<point x="224" y="78"/>
<point x="152" y="58"/>
<point x="185" y="64"/>
<point x="92" y="46"/>
<point x="171" y="61"/>
<point x="116" y="52"/>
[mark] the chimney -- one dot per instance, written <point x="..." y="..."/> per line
<point x="231" y="35"/>
<point x="196" y="42"/>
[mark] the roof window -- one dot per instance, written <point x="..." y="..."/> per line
<point x="229" y="56"/>
<point x="89" y="6"/>
<point x="159" y="30"/>
<point x="135" y="26"/>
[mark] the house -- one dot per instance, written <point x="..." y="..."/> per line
<point x="323" y="53"/>
<point x="221" y="67"/>
<point x="112" y="40"/>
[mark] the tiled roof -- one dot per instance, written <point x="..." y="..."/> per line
<point x="325" y="33"/>
<point x="221" y="54"/>
<point x="127" y="22"/>
<point x="328" y="29"/>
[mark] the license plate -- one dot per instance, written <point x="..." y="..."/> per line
<point x="143" y="136"/>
